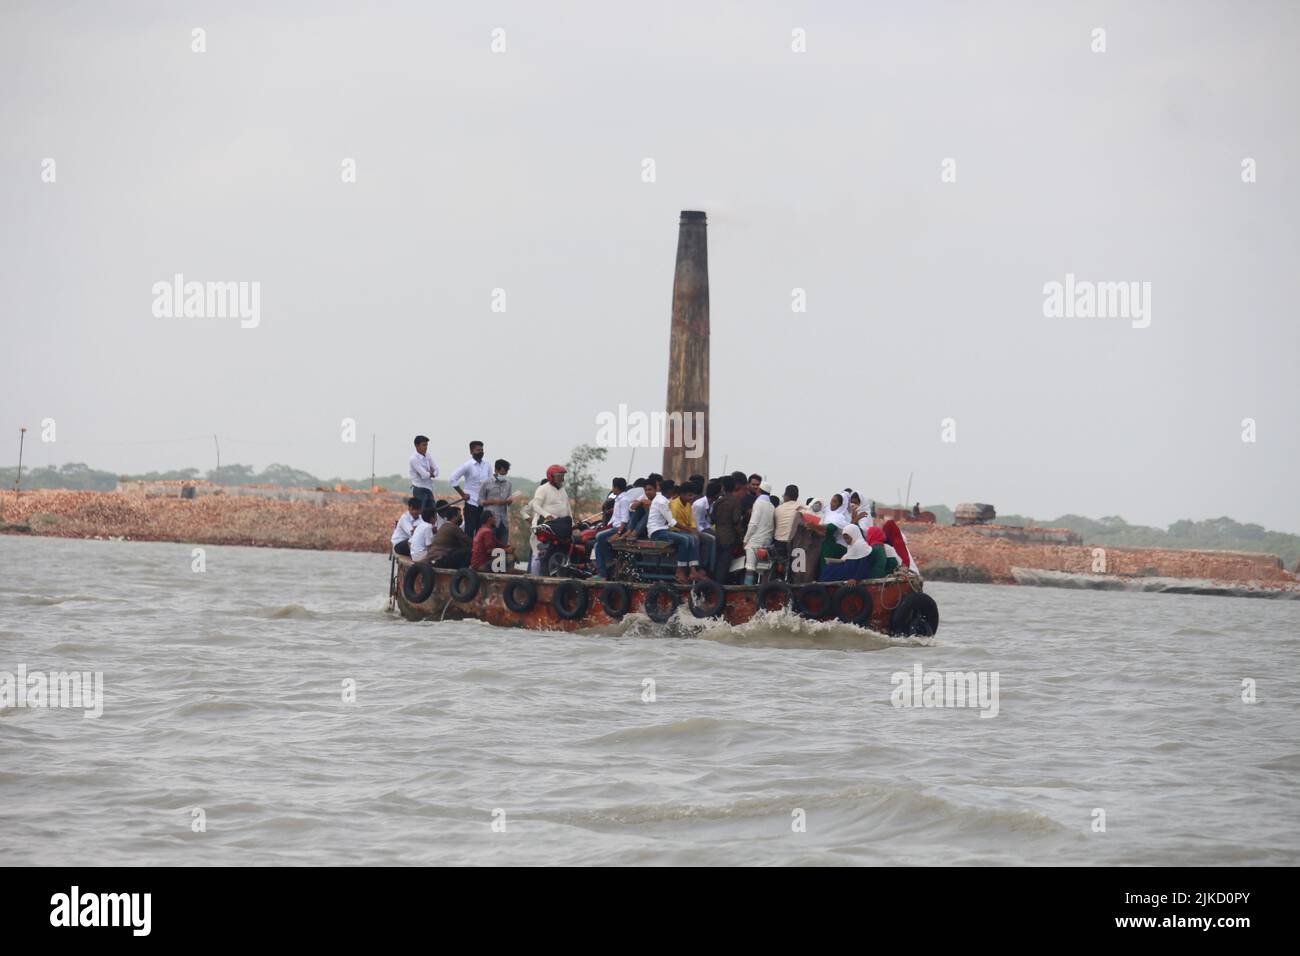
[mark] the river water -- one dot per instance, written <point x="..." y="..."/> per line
<point x="226" y="738"/>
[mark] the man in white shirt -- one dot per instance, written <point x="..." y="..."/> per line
<point x="759" y="532"/>
<point x="548" y="501"/>
<point x="704" y="505"/>
<point x="422" y="536"/>
<point x="472" y="474"/>
<point x="618" y="521"/>
<point x="659" y="527"/>
<point x="405" y="525"/>
<point x="638" y="506"/>
<point x="423" y="471"/>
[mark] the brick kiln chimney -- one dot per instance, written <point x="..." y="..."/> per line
<point x="688" y="353"/>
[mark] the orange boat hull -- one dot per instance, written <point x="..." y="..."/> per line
<point x="489" y="604"/>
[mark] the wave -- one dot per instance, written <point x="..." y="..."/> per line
<point x="773" y="629"/>
<point x="293" y="612"/>
<point x="676" y="731"/>
<point x="52" y="600"/>
<point x="214" y="707"/>
<point x="887" y="811"/>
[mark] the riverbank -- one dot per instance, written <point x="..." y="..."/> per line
<point x="974" y="555"/>
<point x="363" y="521"/>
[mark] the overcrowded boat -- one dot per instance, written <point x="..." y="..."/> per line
<point x="819" y="561"/>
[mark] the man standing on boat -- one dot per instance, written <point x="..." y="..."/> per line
<point x="494" y="498"/>
<point x="423" y="471"/>
<point x="728" y="524"/>
<point x="472" y="474"/>
<point x="549" y="501"/>
<point x="758" y="534"/>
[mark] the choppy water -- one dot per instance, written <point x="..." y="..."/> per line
<point x="223" y="691"/>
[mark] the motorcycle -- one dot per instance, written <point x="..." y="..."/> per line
<point x="564" y="551"/>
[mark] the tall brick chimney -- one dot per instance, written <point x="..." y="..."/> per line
<point x="688" y="350"/>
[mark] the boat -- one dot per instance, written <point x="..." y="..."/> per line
<point x="895" y="605"/>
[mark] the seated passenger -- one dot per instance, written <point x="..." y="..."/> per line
<point x="894" y="535"/>
<point x="684" y="513"/>
<point x="405" y="525"/>
<point x="703" y="505"/>
<point x="883" y="563"/>
<point x="422" y="535"/>
<point x="485" y="542"/>
<point x="863" y="560"/>
<point x="660" y="524"/>
<point x="639" y="505"/>
<point x="451" y="546"/>
<point x="618" y="523"/>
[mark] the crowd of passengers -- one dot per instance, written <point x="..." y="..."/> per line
<point x="709" y="523"/>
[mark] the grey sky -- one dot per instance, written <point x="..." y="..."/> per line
<point x="522" y="171"/>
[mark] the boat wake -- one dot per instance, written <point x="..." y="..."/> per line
<point x="779" y="629"/>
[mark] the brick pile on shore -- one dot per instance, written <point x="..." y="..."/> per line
<point x="361" y="522"/>
<point x="965" y="554"/>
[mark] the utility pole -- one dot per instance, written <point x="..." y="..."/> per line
<point x="218" y="444"/>
<point x="18" y="480"/>
<point x="372" y="461"/>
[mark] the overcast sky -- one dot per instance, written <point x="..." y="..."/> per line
<point x="523" y="170"/>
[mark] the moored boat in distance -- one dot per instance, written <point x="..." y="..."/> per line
<point x="894" y="605"/>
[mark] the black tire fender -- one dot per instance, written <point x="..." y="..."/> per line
<point x="712" y="605"/>
<point x="656" y="599"/>
<point x="861" y="618"/>
<point x="615" y="598"/>
<point x="812" y="596"/>
<point x="916" y="616"/>
<point x="520" y="605"/>
<point x="424" y="574"/>
<point x="775" y="587"/>
<point x="465" y="584"/>
<point x="560" y="596"/>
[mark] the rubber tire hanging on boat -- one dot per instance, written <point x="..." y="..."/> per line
<point x="863" y="617"/>
<point x="529" y="599"/>
<point x="615" y="607"/>
<point x="775" y="587"/>
<point x="653" y="608"/>
<point x="581" y="598"/>
<point x="425" y="574"/>
<point x="916" y="616"/>
<point x="714" y="607"/>
<point x="461" y="591"/>
<point x="817" y="592"/>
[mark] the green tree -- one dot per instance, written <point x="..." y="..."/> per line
<point x="582" y="472"/>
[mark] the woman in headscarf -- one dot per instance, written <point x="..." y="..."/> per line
<point x="881" y="563"/>
<point x="894" y="535"/>
<point x="856" y="555"/>
<point x="833" y="521"/>
<point x="837" y="511"/>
